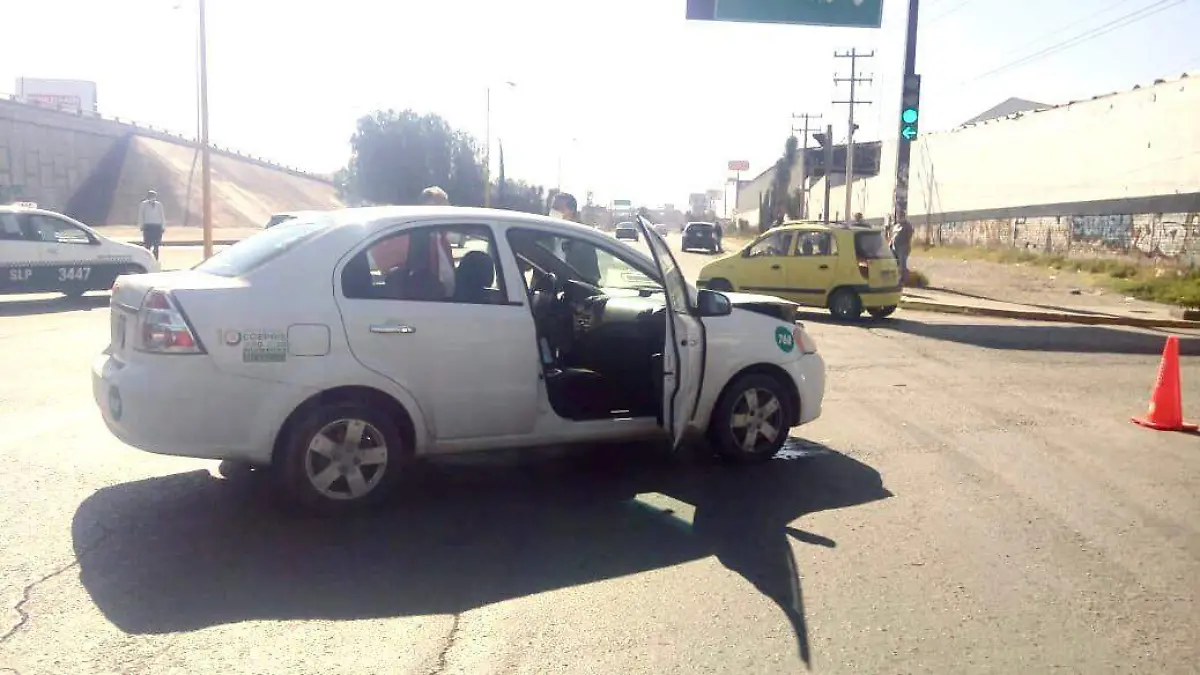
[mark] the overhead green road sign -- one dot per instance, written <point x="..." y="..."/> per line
<point x="843" y="13"/>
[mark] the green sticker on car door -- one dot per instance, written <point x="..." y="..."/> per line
<point x="784" y="339"/>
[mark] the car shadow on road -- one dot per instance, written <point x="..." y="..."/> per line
<point x="1045" y="338"/>
<point x="53" y="305"/>
<point x="189" y="551"/>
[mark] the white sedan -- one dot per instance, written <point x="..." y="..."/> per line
<point x="338" y="349"/>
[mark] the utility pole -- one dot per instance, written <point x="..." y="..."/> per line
<point x="909" y="98"/>
<point x="205" y="172"/>
<point x="487" y="153"/>
<point x="854" y="80"/>
<point x="804" y="155"/>
<point x="828" y="167"/>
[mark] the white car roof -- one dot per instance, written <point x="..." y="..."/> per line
<point x="371" y="219"/>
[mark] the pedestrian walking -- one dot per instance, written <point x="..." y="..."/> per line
<point x="902" y="246"/>
<point x="717" y="232"/>
<point x="152" y="221"/>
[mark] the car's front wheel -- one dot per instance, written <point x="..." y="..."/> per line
<point x="719" y="284"/>
<point x="750" y="422"/>
<point x="342" y="457"/>
<point x="882" y="312"/>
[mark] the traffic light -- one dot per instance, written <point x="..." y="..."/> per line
<point x="910" y="106"/>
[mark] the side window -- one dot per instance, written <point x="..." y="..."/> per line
<point x="816" y="244"/>
<point x="429" y="264"/>
<point x="777" y="244"/>
<point x="580" y="260"/>
<point x="57" y="231"/>
<point x="10" y="228"/>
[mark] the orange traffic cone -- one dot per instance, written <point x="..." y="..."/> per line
<point x="1166" y="401"/>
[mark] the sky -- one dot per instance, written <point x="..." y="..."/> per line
<point x="622" y="98"/>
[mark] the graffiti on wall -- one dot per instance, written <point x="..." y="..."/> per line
<point x="1111" y="231"/>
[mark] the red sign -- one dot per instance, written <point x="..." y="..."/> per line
<point x="739" y="165"/>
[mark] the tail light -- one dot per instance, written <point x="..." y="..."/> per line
<point x="164" y="328"/>
<point x="801" y="337"/>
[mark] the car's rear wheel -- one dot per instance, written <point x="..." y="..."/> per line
<point x="342" y="457"/>
<point x="750" y="422"/>
<point x="845" y="304"/>
<point x="720" y="284"/>
<point x="881" y="312"/>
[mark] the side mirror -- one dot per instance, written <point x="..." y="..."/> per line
<point x="712" y="303"/>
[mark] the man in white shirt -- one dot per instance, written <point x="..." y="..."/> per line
<point x="152" y="221"/>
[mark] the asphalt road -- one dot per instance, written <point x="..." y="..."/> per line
<point x="974" y="499"/>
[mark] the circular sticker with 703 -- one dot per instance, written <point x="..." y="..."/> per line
<point x="784" y="339"/>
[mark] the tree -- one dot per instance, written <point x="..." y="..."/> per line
<point x="501" y="197"/>
<point x="394" y="156"/>
<point x="782" y="181"/>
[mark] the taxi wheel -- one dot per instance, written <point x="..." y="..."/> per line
<point x="845" y="304"/>
<point x="750" y="422"/>
<point x="340" y="458"/>
<point x="882" y="312"/>
<point x="719" y="284"/>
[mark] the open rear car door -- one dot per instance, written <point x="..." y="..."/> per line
<point x="683" y="351"/>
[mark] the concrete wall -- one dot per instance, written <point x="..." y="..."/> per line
<point x="91" y="167"/>
<point x="244" y="194"/>
<point x="1119" y="173"/>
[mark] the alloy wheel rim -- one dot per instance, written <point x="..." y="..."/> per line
<point x="757" y="419"/>
<point x="346" y="459"/>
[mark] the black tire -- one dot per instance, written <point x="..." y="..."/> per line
<point x="231" y="469"/>
<point x="720" y="284"/>
<point x="845" y="304"/>
<point x="723" y="429"/>
<point x="74" y="293"/>
<point x="882" y="312"/>
<point x="380" y="435"/>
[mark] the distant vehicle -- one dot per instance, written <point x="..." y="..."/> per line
<point x="46" y="252"/>
<point x="662" y="229"/>
<point x="388" y="350"/>
<point x="845" y="269"/>
<point x="627" y="230"/>
<point x="700" y="235"/>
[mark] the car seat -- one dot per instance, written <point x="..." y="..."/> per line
<point x="474" y="274"/>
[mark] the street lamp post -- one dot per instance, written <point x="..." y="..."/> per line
<point x="487" y="162"/>
<point x="205" y="173"/>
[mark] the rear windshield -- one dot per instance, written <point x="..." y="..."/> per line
<point x="250" y="253"/>
<point x="700" y="227"/>
<point x="871" y="246"/>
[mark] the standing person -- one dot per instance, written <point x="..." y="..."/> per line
<point x="565" y="207"/>
<point x="579" y="255"/>
<point x="434" y="196"/>
<point x="859" y="221"/>
<point x="902" y="246"/>
<point x="717" y="232"/>
<point x="152" y="221"/>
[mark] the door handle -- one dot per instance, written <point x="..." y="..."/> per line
<point x="392" y="329"/>
<point x="774" y="267"/>
<point x="823" y="267"/>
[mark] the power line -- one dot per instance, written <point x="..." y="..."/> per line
<point x="953" y="9"/>
<point x="1103" y="29"/>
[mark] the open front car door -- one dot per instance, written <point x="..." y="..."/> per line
<point x="683" y="351"/>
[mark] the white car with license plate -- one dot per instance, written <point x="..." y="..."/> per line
<point x="341" y="347"/>
<point x="46" y="252"/>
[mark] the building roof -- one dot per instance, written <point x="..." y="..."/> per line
<point x="1009" y="107"/>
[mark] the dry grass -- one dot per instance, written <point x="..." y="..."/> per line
<point x="1170" y="285"/>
